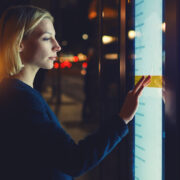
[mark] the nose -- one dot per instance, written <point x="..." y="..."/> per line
<point x="56" y="46"/>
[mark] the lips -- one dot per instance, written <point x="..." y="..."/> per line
<point x="53" y="58"/>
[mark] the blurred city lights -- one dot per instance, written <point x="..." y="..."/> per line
<point x="76" y="59"/>
<point x="56" y="65"/>
<point x="92" y="15"/>
<point x="108" y="39"/>
<point x="131" y="34"/>
<point x="82" y="57"/>
<point x="103" y="14"/>
<point x="84" y="64"/>
<point x="66" y="64"/>
<point x="72" y="58"/>
<point x="85" y="36"/>
<point x="67" y="57"/>
<point x="108" y="12"/>
<point x="83" y="72"/>
<point x="113" y="56"/>
<point x="164" y="27"/>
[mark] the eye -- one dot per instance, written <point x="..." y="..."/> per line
<point x="46" y="39"/>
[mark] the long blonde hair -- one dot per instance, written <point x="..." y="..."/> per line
<point x="16" y="24"/>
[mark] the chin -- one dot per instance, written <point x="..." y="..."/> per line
<point x="51" y="66"/>
<point x="48" y="66"/>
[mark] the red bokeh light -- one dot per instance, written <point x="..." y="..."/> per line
<point x="56" y="65"/>
<point x="66" y="64"/>
<point x="84" y="64"/>
<point x="76" y="59"/>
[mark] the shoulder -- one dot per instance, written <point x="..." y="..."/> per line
<point x="30" y="98"/>
<point x="17" y="93"/>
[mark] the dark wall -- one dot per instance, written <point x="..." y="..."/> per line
<point x="172" y="76"/>
<point x="7" y="3"/>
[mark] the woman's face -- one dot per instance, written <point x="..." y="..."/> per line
<point x="39" y="49"/>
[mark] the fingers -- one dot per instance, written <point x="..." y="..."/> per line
<point x="141" y="84"/>
<point x="147" y="81"/>
<point x="138" y="84"/>
<point x="139" y="92"/>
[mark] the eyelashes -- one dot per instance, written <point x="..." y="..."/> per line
<point x="46" y="39"/>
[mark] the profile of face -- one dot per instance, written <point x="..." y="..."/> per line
<point x="39" y="49"/>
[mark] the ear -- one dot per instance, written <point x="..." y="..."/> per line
<point x="21" y="47"/>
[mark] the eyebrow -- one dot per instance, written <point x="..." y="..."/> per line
<point x="47" y="33"/>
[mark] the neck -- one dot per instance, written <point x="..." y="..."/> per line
<point x="27" y="75"/>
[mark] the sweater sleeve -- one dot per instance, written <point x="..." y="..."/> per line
<point x="48" y="143"/>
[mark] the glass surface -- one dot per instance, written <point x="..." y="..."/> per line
<point x="148" y="61"/>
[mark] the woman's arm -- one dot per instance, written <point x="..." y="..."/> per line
<point x="49" y="144"/>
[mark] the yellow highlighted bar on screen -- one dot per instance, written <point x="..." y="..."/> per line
<point x="156" y="81"/>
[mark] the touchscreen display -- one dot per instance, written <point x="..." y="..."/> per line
<point x="148" y="61"/>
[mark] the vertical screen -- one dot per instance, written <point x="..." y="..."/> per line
<point x="148" y="61"/>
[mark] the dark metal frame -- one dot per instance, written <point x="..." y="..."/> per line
<point x="172" y="77"/>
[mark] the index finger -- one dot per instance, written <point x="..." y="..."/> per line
<point x="141" y="82"/>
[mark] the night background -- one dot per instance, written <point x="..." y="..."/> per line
<point x="83" y="87"/>
<point x="96" y="68"/>
<point x="71" y="20"/>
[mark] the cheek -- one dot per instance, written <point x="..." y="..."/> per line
<point x="34" y="52"/>
<point x="42" y="49"/>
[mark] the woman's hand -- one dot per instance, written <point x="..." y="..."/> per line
<point x="130" y="105"/>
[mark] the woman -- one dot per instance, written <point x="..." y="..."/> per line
<point x="33" y="143"/>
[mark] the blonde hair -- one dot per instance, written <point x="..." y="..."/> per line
<point x="16" y="24"/>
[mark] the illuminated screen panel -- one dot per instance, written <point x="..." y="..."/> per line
<point x="148" y="61"/>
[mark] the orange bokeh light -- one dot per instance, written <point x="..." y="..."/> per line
<point x="76" y="59"/>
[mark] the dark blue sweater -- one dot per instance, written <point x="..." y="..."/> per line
<point x="34" y="146"/>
